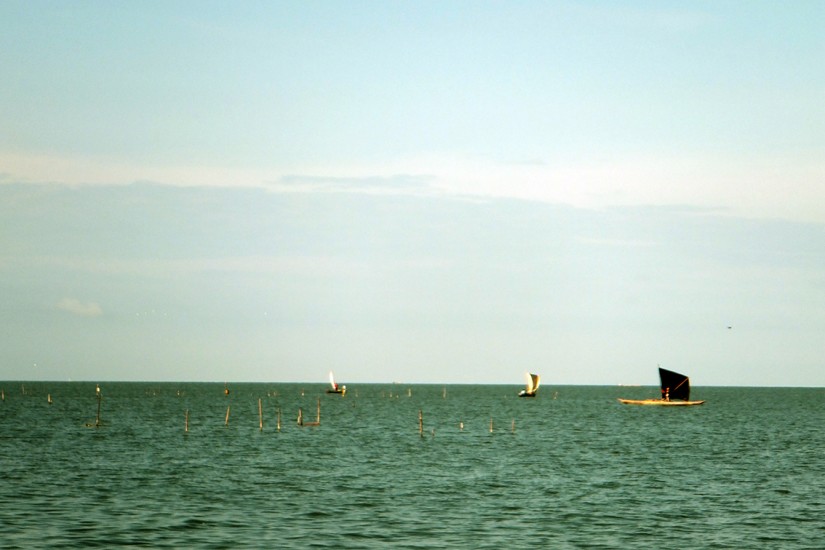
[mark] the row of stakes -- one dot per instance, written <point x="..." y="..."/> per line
<point x="317" y="421"/>
<point x="301" y="422"/>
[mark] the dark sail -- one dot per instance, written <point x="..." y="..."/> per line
<point x="674" y="385"/>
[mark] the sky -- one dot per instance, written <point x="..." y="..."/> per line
<point x="421" y="192"/>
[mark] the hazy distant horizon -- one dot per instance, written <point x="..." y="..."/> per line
<point x="546" y="391"/>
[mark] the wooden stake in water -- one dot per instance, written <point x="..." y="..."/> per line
<point x="491" y="424"/>
<point x="99" y="399"/>
<point x="317" y="417"/>
<point x="49" y="399"/>
<point x="420" y="423"/>
<point x="260" y="415"/>
<point x="186" y="421"/>
<point x="279" y="419"/>
<point x="226" y="421"/>
<point x="300" y="416"/>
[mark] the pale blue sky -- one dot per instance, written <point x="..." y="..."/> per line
<point x="415" y="191"/>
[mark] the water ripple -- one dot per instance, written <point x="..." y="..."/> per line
<point x="745" y="470"/>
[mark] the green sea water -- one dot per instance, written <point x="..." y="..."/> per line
<point x="571" y="468"/>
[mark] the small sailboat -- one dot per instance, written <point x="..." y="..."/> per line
<point x="532" y="385"/>
<point x="675" y="390"/>
<point x="335" y="387"/>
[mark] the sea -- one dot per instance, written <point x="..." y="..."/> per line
<point x="185" y="465"/>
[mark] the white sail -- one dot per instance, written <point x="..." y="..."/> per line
<point x="332" y="381"/>
<point x="532" y="382"/>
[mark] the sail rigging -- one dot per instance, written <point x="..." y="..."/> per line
<point x="674" y="385"/>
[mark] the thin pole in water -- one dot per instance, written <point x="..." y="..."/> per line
<point x="491" y="424"/>
<point x="260" y="415"/>
<point x="420" y="423"/>
<point x="279" y="419"/>
<point x="226" y="421"/>
<point x="99" y="399"/>
<point x="186" y="421"/>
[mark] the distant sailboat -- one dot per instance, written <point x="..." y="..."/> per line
<point x="532" y="385"/>
<point x="335" y="387"/>
<point x="675" y="390"/>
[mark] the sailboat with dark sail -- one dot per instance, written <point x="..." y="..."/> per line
<point x="675" y="390"/>
<point x="532" y="387"/>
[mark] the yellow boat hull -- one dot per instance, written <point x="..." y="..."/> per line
<point x="660" y="402"/>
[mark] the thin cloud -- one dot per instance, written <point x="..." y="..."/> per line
<point x="81" y="309"/>
<point x="398" y="183"/>
<point x="527" y="162"/>
<point x="779" y="186"/>
<point x="617" y="242"/>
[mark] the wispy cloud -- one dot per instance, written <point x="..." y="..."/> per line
<point x="617" y="242"/>
<point x="39" y="168"/>
<point x="397" y="183"/>
<point x="778" y="186"/>
<point x="786" y="186"/>
<point x="81" y="309"/>
<point x="185" y="267"/>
